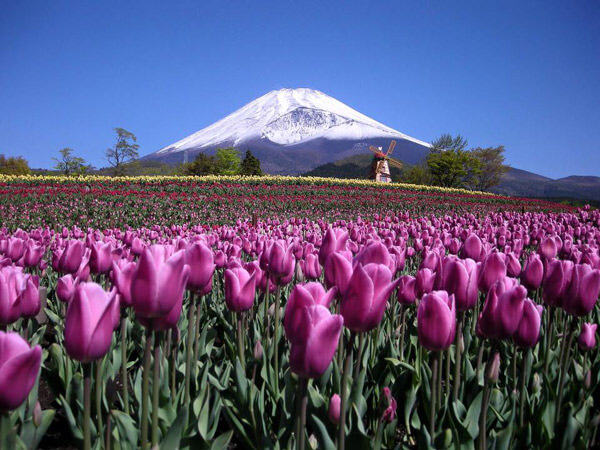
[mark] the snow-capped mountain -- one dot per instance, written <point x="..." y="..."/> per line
<point x="294" y="130"/>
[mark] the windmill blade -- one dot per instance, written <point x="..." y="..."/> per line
<point x="374" y="149"/>
<point x="395" y="163"/>
<point x="391" y="148"/>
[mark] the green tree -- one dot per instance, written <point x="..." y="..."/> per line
<point x="492" y="167"/>
<point x="124" y="151"/>
<point x="14" y="165"/>
<point x="450" y="164"/>
<point x="70" y="164"/>
<point x="417" y="174"/>
<point x="228" y="161"/>
<point x="202" y="165"/>
<point x="250" y="165"/>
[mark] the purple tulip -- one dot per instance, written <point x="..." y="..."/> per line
<point x="548" y="248"/>
<point x="473" y="248"/>
<point x="492" y="269"/>
<point x="201" y="260"/>
<point x="315" y="343"/>
<point x="19" y="368"/>
<point x="587" y="337"/>
<point x="407" y="290"/>
<point x="12" y="286"/>
<point x="375" y="253"/>
<point x="278" y="260"/>
<point x="121" y="276"/>
<point x="30" y="301"/>
<point x="101" y="257"/>
<point x="310" y="266"/>
<point x="424" y="282"/>
<point x="240" y="288"/>
<point x="436" y="320"/>
<point x="333" y="241"/>
<point x="502" y="310"/>
<point x="364" y="302"/>
<point x="72" y="256"/>
<point x="91" y="318"/>
<point x="334" y="409"/>
<point x="338" y="271"/>
<point x="533" y="272"/>
<point x="513" y="266"/>
<point x="303" y="296"/>
<point x="583" y="290"/>
<point x="158" y="283"/>
<point x="528" y="331"/>
<point x="556" y="281"/>
<point x="33" y="254"/>
<point x="65" y="288"/>
<point x="461" y="280"/>
<point x="390" y="406"/>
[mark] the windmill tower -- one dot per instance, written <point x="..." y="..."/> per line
<point x="380" y="167"/>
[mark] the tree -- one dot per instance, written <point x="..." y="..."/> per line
<point x="202" y="165"/>
<point x="124" y="151"/>
<point x="418" y="174"/>
<point x="492" y="167"/>
<point x="14" y="165"/>
<point x="250" y="165"/>
<point x="228" y="161"/>
<point x="450" y="164"/>
<point x="69" y="164"/>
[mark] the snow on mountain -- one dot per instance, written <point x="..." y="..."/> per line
<point x="288" y="116"/>
<point x="293" y="123"/>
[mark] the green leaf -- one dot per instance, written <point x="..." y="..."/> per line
<point x="396" y="362"/>
<point x="322" y="434"/>
<point x="471" y="422"/>
<point x="222" y="441"/>
<point x="127" y="428"/>
<point x="173" y="437"/>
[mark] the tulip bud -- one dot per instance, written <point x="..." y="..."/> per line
<point x="587" y="337"/>
<point x="536" y="383"/>
<point x="334" y="409"/>
<point x="587" y="380"/>
<point x="258" y="351"/>
<point x="493" y="369"/>
<point x="37" y="414"/>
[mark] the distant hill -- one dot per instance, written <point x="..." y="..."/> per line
<point x="516" y="182"/>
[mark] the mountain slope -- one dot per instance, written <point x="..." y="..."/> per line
<point x="294" y="130"/>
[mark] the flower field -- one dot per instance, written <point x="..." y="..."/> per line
<point x="277" y="312"/>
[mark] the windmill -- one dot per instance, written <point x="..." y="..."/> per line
<point x="380" y="170"/>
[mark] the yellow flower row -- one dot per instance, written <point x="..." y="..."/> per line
<point x="269" y="179"/>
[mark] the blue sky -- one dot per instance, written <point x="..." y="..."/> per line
<point x="522" y="74"/>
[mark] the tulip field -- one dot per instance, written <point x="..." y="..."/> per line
<point x="294" y="313"/>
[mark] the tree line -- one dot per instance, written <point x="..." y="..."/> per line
<point x="226" y="161"/>
<point x="450" y="164"/>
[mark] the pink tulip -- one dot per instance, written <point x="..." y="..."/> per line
<point x="557" y="281"/>
<point x="278" y="260"/>
<point x="407" y="293"/>
<point x="436" y="320"/>
<point x="65" y="288"/>
<point x="333" y="241"/>
<point x="548" y="248"/>
<point x="72" y="256"/>
<point x="91" y="318"/>
<point x="12" y="286"/>
<point x="513" y="266"/>
<point x="502" y="310"/>
<point x="461" y="280"/>
<point x="200" y="258"/>
<point x="303" y="296"/>
<point x="473" y="248"/>
<point x="101" y="257"/>
<point x="390" y="405"/>
<point x="533" y="272"/>
<point x="310" y="266"/>
<point x="121" y="276"/>
<point x="33" y="254"/>
<point x="338" y="271"/>
<point x="587" y="337"/>
<point x="528" y="331"/>
<point x="30" y="301"/>
<point x="313" y="347"/>
<point x="375" y="253"/>
<point x="583" y="290"/>
<point x="158" y="283"/>
<point x="492" y="269"/>
<point x="334" y="409"/>
<point x="19" y="368"/>
<point x="240" y="288"/>
<point x="424" y="282"/>
<point x="363" y="304"/>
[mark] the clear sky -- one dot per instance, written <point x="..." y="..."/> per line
<point x="523" y="74"/>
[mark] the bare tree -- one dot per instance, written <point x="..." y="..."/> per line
<point x="124" y="151"/>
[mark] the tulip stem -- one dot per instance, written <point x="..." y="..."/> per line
<point x="346" y="374"/>
<point x="98" y="389"/>
<point x="484" y="406"/>
<point x="404" y="310"/>
<point x="359" y="355"/>
<point x="302" y="403"/>
<point x="276" y="340"/>
<point x="188" y="350"/>
<point x="173" y="363"/>
<point x="549" y="332"/>
<point x="197" y="336"/>
<point x="458" y="355"/>
<point x="240" y="341"/>
<point x="433" y="402"/>
<point x="87" y="404"/>
<point x="145" y="386"/>
<point x="564" y="368"/>
<point x="439" y="379"/>
<point x="155" y="388"/>
<point x="523" y="387"/>
<point x="124" y="377"/>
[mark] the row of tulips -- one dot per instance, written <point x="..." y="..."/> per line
<point x="398" y="331"/>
